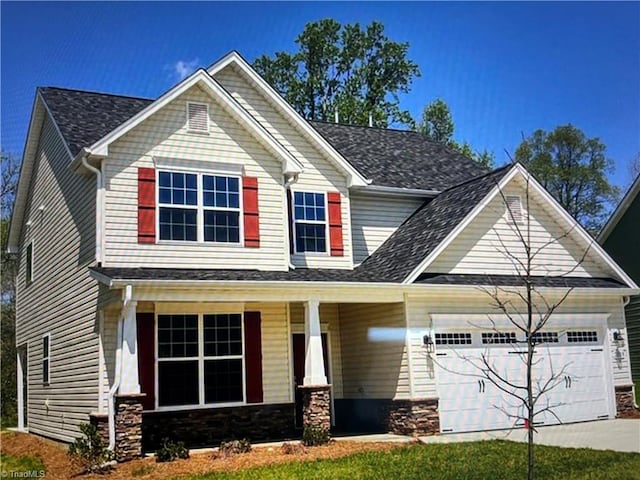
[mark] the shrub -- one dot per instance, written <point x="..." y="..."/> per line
<point x="91" y="451"/>
<point x="170" y="451"/>
<point x="292" y="449"/>
<point x="233" y="447"/>
<point x="313" y="436"/>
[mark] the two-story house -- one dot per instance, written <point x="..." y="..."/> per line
<point x="209" y="264"/>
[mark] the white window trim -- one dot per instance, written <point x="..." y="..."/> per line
<point x="200" y="207"/>
<point x="201" y="359"/>
<point x="29" y="268"/>
<point x="47" y="358"/>
<point x="293" y="221"/>
<point x="198" y="132"/>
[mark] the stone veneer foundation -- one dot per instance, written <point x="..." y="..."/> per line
<point x="207" y="427"/>
<point x="128" y="424"/>
<point x="101" y="420"/>
<point x="414" y="417"/>
<point x="316" y="406"/>
<point x="624" y="401"/>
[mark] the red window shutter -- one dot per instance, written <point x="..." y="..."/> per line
<point x="146" y="205"/>
<point x="335" y="224"/>
<point x="250" y="214"/>
<point x="145" y="323"/>
<point x="253" y="356"/>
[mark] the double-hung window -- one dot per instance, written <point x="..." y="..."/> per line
<point x="198" y="207"/>
<point x="178" y="201"/>
<point x="200" y="359"/>
<point x="221" y="203"/>
<point x="310" y="222"/>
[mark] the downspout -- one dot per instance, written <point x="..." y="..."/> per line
<point x="118" y="367"/>
<point x="99" y="201"/>
<point x="288" y="181"/>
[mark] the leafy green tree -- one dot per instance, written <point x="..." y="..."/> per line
<point x="9" y="181"/>
<point x="573" y="168"/>
<point x="437" y="124"/>
<point x="348" y="69"/>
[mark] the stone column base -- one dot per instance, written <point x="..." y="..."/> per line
<point x="624" y="401"/>
<point x="101" y="420"/>
<point x="414" y="417"/>
<point x="316" y="406"/>
<point x="128" y="426"/>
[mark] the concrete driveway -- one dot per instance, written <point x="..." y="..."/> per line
<point x="621" y="435"/>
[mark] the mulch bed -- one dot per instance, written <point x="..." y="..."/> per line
<point x="58" y="465"/>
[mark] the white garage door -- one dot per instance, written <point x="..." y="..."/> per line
<point x="469" y="402"/>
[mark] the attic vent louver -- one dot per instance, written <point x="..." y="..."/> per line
<point x="198" y="117"/>
<point x="514" y="209"/>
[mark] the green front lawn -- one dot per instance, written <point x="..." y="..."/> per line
<point x="494" y="460"/>
<point x="12" y="467"/>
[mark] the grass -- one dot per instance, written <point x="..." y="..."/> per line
<point x="497" y="460"/>
<point x="10" y="463"/>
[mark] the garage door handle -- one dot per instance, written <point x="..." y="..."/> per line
<point x="481" y="386"/>
<point x="569" y="381"/>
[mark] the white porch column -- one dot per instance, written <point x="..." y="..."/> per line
<point x="129" y="382"/>
<point x="314" y="373"/>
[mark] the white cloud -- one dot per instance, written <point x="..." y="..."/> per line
<point x="184" y="68"/>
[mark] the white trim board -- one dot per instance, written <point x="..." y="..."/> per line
<point x="235" y="59"/>
<point x="575" y="227"/>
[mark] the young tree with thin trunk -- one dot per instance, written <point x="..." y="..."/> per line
<point x="526" y="308"/>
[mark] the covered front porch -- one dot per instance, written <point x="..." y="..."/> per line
<point x="211" y="364"/>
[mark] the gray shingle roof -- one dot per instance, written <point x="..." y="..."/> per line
<point x="319" y="275"/>
<point x="516" y="281"/>
<point x="393" y="158"/>
<point x="85" y="117"/>
<point x="422" y="232"/>
<point x="399" y="158"/>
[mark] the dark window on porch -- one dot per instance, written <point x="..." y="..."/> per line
<point x="200" y="359"/>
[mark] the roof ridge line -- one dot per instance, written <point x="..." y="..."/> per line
<point x="479" y="177"/>
<point x="95" y="92"/>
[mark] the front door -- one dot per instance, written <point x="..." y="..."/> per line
<point x="299" y="346"/>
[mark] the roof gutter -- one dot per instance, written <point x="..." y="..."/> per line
<point x="99" y="201"/>
<point x="283" y="284"/>
<point x="395" y="191"/>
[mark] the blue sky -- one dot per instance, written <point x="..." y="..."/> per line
<point x="504" y="68"/>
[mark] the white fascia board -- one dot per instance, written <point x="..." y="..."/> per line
<point x="228" y="103"/>
<point x="234" y="58"/>
<point x="32" y="142"/>
<point x="461" y="226"/>
<point x="572" y="224"/>
<point x="316" y="287"/>
<point x="620" y="210"/>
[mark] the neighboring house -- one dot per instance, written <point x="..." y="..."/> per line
<point x="209" y="265"/>
<point x="620" y="237"/>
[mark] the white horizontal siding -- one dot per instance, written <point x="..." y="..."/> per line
<point x="164" y="135"/>
<point x="374" y="356"/>
<point x="375" y="218"/>
<point x="488" y="244"/>
<point x="330" y="323"/>
<point x="62" y="300"/>
<point x="419" y="311"/>
<point x="319" y="175"/>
